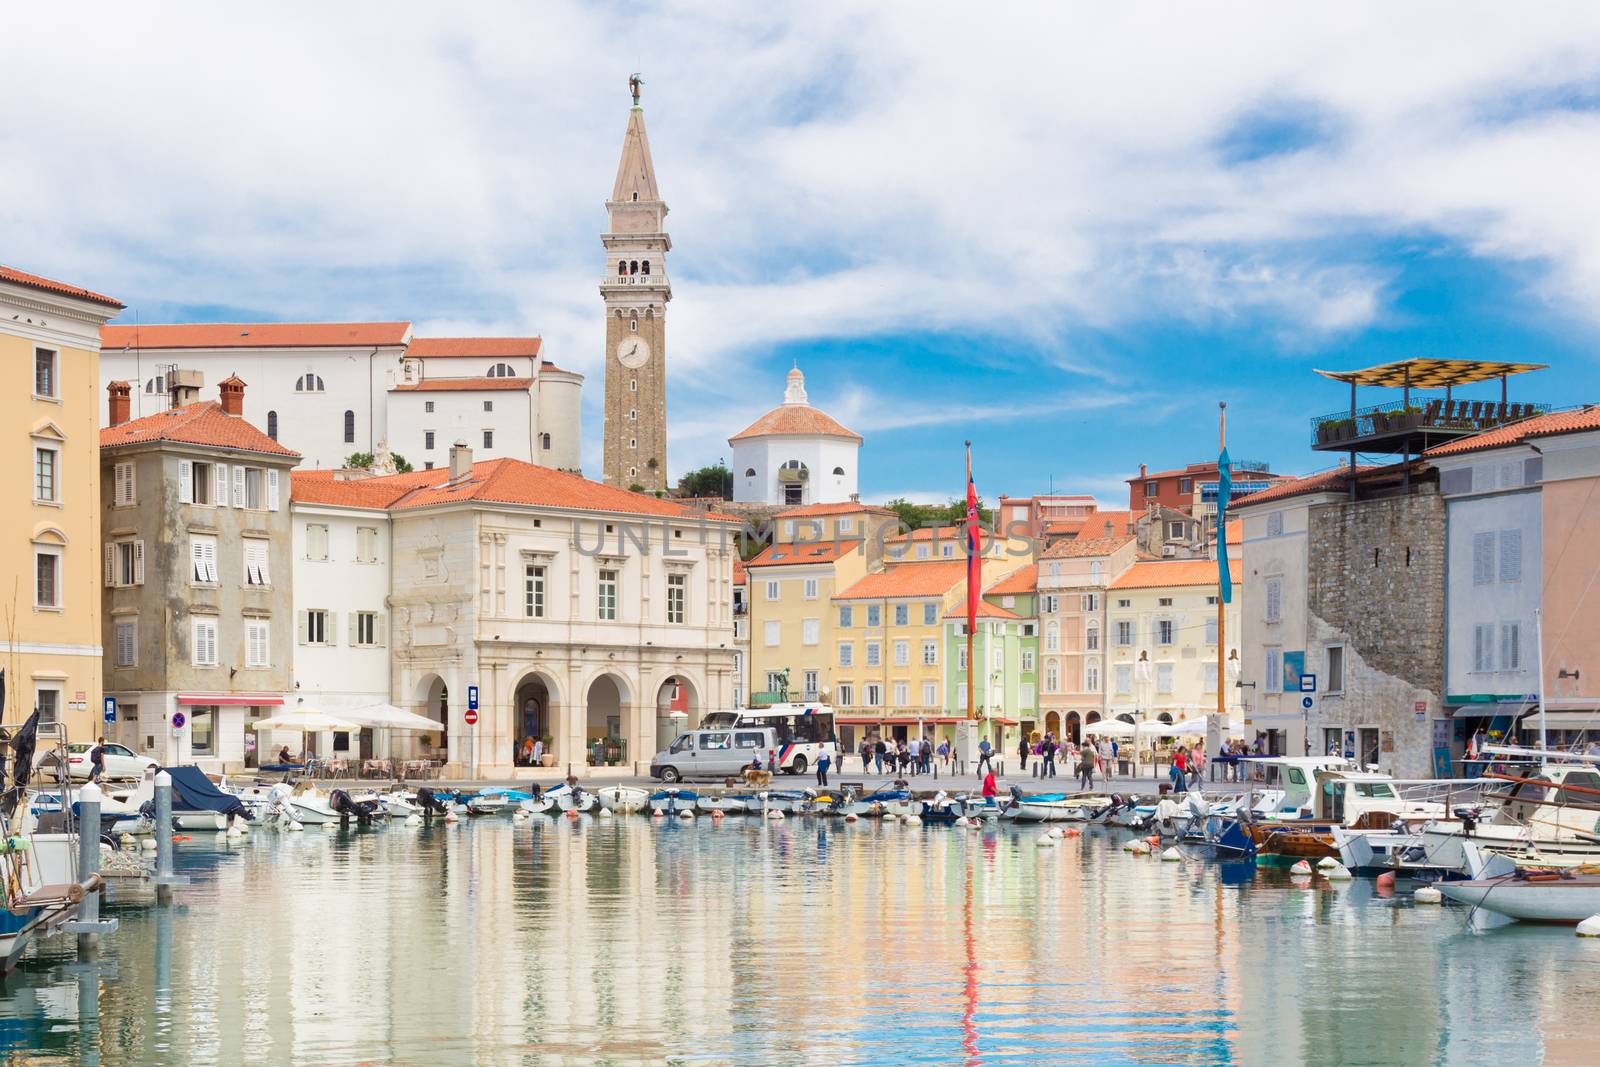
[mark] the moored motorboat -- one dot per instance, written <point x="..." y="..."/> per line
<point x="623" y="799"/>
<point x="1060" y="807"/>
<point x="1566" y="896"/>
<point x="672" y="800"/>
<point x="726" y="803"/>
<point x="882" y="802"/>
<point x="495" y="800"/>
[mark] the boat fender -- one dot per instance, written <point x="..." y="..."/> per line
<point x="1171" y="855"/>
<point x="1427" y="895"/>
<point x="1386" y="880"/>
<point x="962" y="820"/>
<point x="147" y="845"/>
<point x="605" y="813"/>
<point x="775" y="815"/>
<point x="1590" y="927"/>
<point x="294" y="825"/>
<point x="1337" y="873"/>
<point x="413" y="820"/>
<point x="1046" y="839"/>
<point x="1300" y="867"/>
<point x="686" y="815"/>
<point x="1327" y="863"/>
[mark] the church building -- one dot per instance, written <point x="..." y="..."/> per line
<point x="795" y="454"/>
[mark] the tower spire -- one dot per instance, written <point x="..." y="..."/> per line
<point x="636" y="173"/>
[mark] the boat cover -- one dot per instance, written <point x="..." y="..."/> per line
<point x="193" y="791"/>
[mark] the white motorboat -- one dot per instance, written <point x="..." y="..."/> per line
<point x="1551" y="812"/>
<point x="1060" y="807"/>
<point x="727" y="803"/>
<point x="399" y="805"/>
<point x="623" y="799"/>
<point x="302" y="804"/>
<point x="1543" y="896"/>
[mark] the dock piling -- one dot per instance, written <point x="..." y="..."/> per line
<point x="165" y="879"/>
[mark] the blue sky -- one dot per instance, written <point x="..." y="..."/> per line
<point x="1063" y="233"/>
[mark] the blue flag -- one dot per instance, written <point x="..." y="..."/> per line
<point x="1224" y="490"/>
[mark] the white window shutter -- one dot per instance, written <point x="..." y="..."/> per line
<point x="185" y="482"/>
<point x="197" y="561"/>
<point x="220" y="495"/>
<point x="379" y="629"/>
<point x="238" y="487"/>
<point x="354" y="637"/>
<point x="261" y="562"/>
<point x="111" y="564"/>
<point x="272" y="490"/>
<point x="331" y="633"/>
<point x="138" y="563"/>
<point x="301" y="625"/>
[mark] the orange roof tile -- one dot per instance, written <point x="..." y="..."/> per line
<point x="1094" y="546"/>
<point x="795" y="419"/>
<point x="50" y="285"/>
<point x="1022" y="581"/>
<point x="1235" y="533"/>
<point x="986" y="610"/>
<point x="464" y="385"/>
<point x="1323" y="482"/>
<point x="931" y="533"/>
<point x="849" y="507"/>
<point x="1571" y="421"/>
<point x="791" y="555"/>
<point x="462" y="347"/>
<point x="195" y="424"/>
<point x="1163" y="573"/>
<point x="377" y="492"/>
<point x="255" y="335"/>
<point x="740" y="575"/>
<point x="909" y="579"/>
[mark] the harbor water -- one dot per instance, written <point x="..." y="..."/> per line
<point x="622" y="941"/>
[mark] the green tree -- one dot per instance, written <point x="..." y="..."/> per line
<point x="364" y="461"/>
<point x="714" y="481"/>
<point x="917" y="516"/>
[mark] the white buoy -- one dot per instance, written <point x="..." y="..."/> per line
<point x="147" y="845"/>
<point x="1301" y="867"/>
<point x="605" y="813"/>
<point x="1427" y="894"/>
<point x="1046" y="839"/>
<point x="1337" y="873"/>
<point x="234" y="831"/>
<point x="1141" y="848"/>
<point x="1127" y="846"/>
<point x="775" y="814"/>
<point x="1056" y="832"/>
<point x="1171" y="855"/>
<point x="294" y="825"/>
<point x="413" y="819"/>
<point x="913" y="820"/>
<point x="519" y="815"/>
<point x="1590" y="927"/>
<point x="962" y="820"/>
<point x="1327" y="863"/>
<point x="686" y="814"/>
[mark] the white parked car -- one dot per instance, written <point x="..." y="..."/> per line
<point x="120" y="761"/>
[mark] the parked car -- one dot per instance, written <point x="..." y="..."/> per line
<point x="121" y="762"/>
<point x="713" y="753"/>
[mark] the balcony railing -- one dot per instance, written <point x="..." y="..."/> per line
<point x="619" y="280"/>
<point x="1386" y="427"/>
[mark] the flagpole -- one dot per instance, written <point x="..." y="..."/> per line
<point x="972" y="666"/>
<point x="1222" y="548"/>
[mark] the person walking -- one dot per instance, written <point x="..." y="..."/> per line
<point x="1197" y="762"/>
<point x="97" y="760"/>
<point x="866" y="756"/>
<point x="1179" y="771"/>
<point x="990" y="789"/>
<point x="984" y="754"/>
<point x="1087" y="757"/>
<point x="1049" y="769"/>
<point x="822" y="768"/>
<point x="1022" y="754"/>
<point x="944" y="754"/>
<point x="878" y="750"/>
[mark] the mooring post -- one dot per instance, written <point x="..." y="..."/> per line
<point x="165" y="879"/>
<point x="88" y="861"/>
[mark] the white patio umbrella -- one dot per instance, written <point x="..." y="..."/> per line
<point x="305" y="720"/>
<point x="389" y="717"/>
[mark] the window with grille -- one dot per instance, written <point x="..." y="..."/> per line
<point x="533" y="592"/>
<point x="677" y="598"/>
<point x="607" y="595"/>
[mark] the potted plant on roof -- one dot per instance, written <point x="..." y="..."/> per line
<point x="1326" y="430"/>
<point x="1405" y="419"/>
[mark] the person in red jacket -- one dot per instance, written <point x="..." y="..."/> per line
<point x="989" y="788"/>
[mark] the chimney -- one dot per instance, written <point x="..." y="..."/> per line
<point x="184" y="385"/>
<point x="231" y="389"/>
<point x="1142" y="470"/>
<point x="460" y="462"/>
<point x="118" y="393"/>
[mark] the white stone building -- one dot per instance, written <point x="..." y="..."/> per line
<point x="331" y="389"/>
<point x="795" y="454"/>
<point x="580" y="612"/>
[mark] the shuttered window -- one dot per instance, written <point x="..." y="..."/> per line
<point x="122" y="484"/>
<point x="203" y="560"/>
<point x="366" y="544"/>
<point x="1164" y="678"/>
<point x="255" y="563"/>
<point x="1510" y="646"/>
<point x="127" y="643"/>
<point x="1511" y="555"/>
<point x="257" y="648"/>
<point x="316" y="541"/>
<point x="1482" y="558"/>
<point x="1274" y="599"/>
<point x="205" y="643"/>
<point x="1483" y="647"/>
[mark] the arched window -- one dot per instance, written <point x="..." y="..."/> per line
<point x="1052" y="637"/>
<point x="349" y="427"/>
<point x="309" y="383"/>
<point x="502" y="370"/>
<point x="645" y="267"/>
<point x="544" y="440"/>
<point x="838" y="472"/>
<point x="636" y="197"/>
<point x="633" y="266"/>
<point x="272" y="425"/>
<point x="633" y="324"/>
<point x="622" y="268"/>
<point x="749" y="472"/>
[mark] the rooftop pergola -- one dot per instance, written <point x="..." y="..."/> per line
<point x="1427" y="373"/>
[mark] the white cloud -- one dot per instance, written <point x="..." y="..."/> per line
<point x="834" y="171"/>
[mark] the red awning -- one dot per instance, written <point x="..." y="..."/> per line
<point x="232" y="699"/>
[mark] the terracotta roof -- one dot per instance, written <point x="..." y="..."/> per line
<point x="1235" y="534"/>
<point x="377" y="493"/>
<point x="50" y="285"/>
<point x="740" y="575"/>
<point x="1022" y="581"/>
<point x="464" y="385"/>
<point x="789" y="555"/>
<point x="1577" y="419"/>
<point x="795" y="419"/>
<point x="1094" y="524"/>
<point x="850" y="507"/>
<point x="255" y="335"/>
<point x="462" y="347"/>
<point x="1094" y="546"/>
<point x="956" y="533"/>
<point x="909" y="579"/>
<point x="1326" y="481"/>
<point x="1163" y="573"/>
<point x="195" y="424"/>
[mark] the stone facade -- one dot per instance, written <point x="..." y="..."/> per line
<point x="1376" y="592"/>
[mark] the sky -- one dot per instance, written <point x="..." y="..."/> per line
<point x="1063" y="232"/>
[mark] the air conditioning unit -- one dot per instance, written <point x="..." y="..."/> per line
<point x="1169" y="550"/>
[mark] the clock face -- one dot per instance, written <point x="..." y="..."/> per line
<point x="633" y="351"/>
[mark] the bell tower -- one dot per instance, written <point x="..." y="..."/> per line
<point x="635" y="291"/>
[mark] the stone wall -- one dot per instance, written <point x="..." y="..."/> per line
<point x="1376" y="586"/>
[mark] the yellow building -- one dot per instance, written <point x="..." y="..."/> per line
<point x="816" y="552"/>
<point x="889" y="645"/>
<point x="50" y="617"/>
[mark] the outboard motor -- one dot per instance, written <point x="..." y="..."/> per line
<point x="429" y="803"/>
<point x="340" y="802"/>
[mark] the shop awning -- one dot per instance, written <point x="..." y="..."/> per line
<point x="233" y="699"/>
<point x="873" y="720"/>
<point x="1565" y="719"/>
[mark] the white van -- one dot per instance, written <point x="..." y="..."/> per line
<point x="714" y="753"/>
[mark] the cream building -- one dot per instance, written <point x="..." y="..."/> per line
<point x="1161" y="619"/>
<point x="1073" y="578"/>
<point x="50" y="338"/>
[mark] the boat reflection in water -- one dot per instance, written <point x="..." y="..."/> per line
<point x="745" y="940"/>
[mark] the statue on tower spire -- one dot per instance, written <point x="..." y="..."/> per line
<point x="634" y="84"/>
